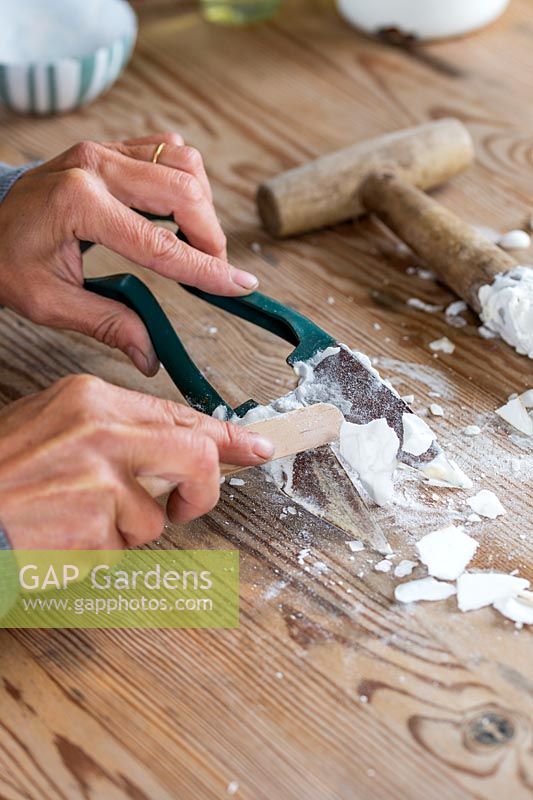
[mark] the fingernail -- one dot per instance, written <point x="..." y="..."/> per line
<point x="147" y="364"/>
<point x="244" y="279"/>
<point x="153" y="364"/>
<point x="262" y="447"/>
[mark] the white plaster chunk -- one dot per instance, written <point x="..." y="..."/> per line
<point x="478" y="589"/>
<point x="518" y="609"/>
<point x="456" y="322"/>
<point x="383" y="566"/>
<point x="423" y="589"/>
<point x="455" y="308"/>
<point x="517" y="415"/>
<point x="236" y="482"/>
<point x="486" y="333"/>
<point x="356" y="545"/>
<point x="526" y="398"/>
<point x="220" y="413"/>
<point x="487" y="504"/>
<point x="371" y="450"/>
<point x="472" y="430"/>
<point x="404" y="568"/>
<point x="446" y="552"/>
<point x="507" y="308"/>
<point x="436" y="410"/>
<point x="445" y="472"/>
<point x="443" y="345"/>
<point x="514" y="240"/>
<point x="415" y="302"/>
<point x="417" y="435"/>
<point x="408" y="398"/>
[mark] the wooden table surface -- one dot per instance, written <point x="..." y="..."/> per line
<point x="322" y="692"/>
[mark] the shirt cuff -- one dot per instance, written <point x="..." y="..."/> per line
<point x="9" y="175"/>
<point x="4" y="541"/>
<point x="9" y="587"/>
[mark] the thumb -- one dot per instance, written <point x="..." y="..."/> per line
<point x="107" y="321"/>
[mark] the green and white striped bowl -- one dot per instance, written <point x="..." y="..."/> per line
<point x="59" y="55"/>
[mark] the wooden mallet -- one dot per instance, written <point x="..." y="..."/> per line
<point x="388" y="176"/>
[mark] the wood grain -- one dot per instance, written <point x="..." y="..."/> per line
<point x="322" y="692"/>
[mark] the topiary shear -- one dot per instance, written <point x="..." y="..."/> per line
<point x="257" y="308"/>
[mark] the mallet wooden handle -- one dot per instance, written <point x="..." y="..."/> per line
<point x="326" y="191"/>
<point x="291" y="433"/>
<point x="461" y="256"/>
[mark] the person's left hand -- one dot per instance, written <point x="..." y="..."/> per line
<point x="87" y="193"/>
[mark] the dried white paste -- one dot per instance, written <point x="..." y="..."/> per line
<point x="415" y="302"/>
<point x="443" y="471"/>
<point x="487" y="504"/>
<point x="371" y="450"/>
<point x="417" y="435"/>
<point x="455" y="308"/>
<point x="446" y="552"/>
<point x="478" y="589"/>
<point x="514" y="240"/>
<point x="507" y="308"/>
<point x="443" y="345"/>
<point x="516" y="412"/>
<point x="404" y="568"/>
<point x="423" y="589"/>
<point x="520" y="611"/>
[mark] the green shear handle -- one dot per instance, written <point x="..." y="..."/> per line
<point x="257" y="308"/>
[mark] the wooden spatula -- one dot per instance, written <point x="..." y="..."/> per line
<point x="291" y="433"/>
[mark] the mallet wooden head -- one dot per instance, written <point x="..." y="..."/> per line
<point x="327" y="191"/>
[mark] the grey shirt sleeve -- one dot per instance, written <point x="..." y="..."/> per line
<point x="9" y="174"/>
<point x="8" y="575"/>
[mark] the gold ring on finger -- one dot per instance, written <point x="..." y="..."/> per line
<point x="157" y="152"/>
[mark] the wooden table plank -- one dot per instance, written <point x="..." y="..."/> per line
<point x="321" y="693"/>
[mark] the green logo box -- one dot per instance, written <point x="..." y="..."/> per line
<point x="119" y="589"/>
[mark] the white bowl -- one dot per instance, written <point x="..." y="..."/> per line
<point x="60" y="54"/>
<point x="425" y="19"/>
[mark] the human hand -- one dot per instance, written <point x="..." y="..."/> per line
<point x="72" y="455"/>
<point x="87" y="193"/>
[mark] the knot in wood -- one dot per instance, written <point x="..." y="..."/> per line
<point x="490" y="729"/>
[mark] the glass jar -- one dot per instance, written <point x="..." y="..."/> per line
<point x="238" y="12"/>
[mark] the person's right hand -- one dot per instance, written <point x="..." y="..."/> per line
<point x="71" y="458"/>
